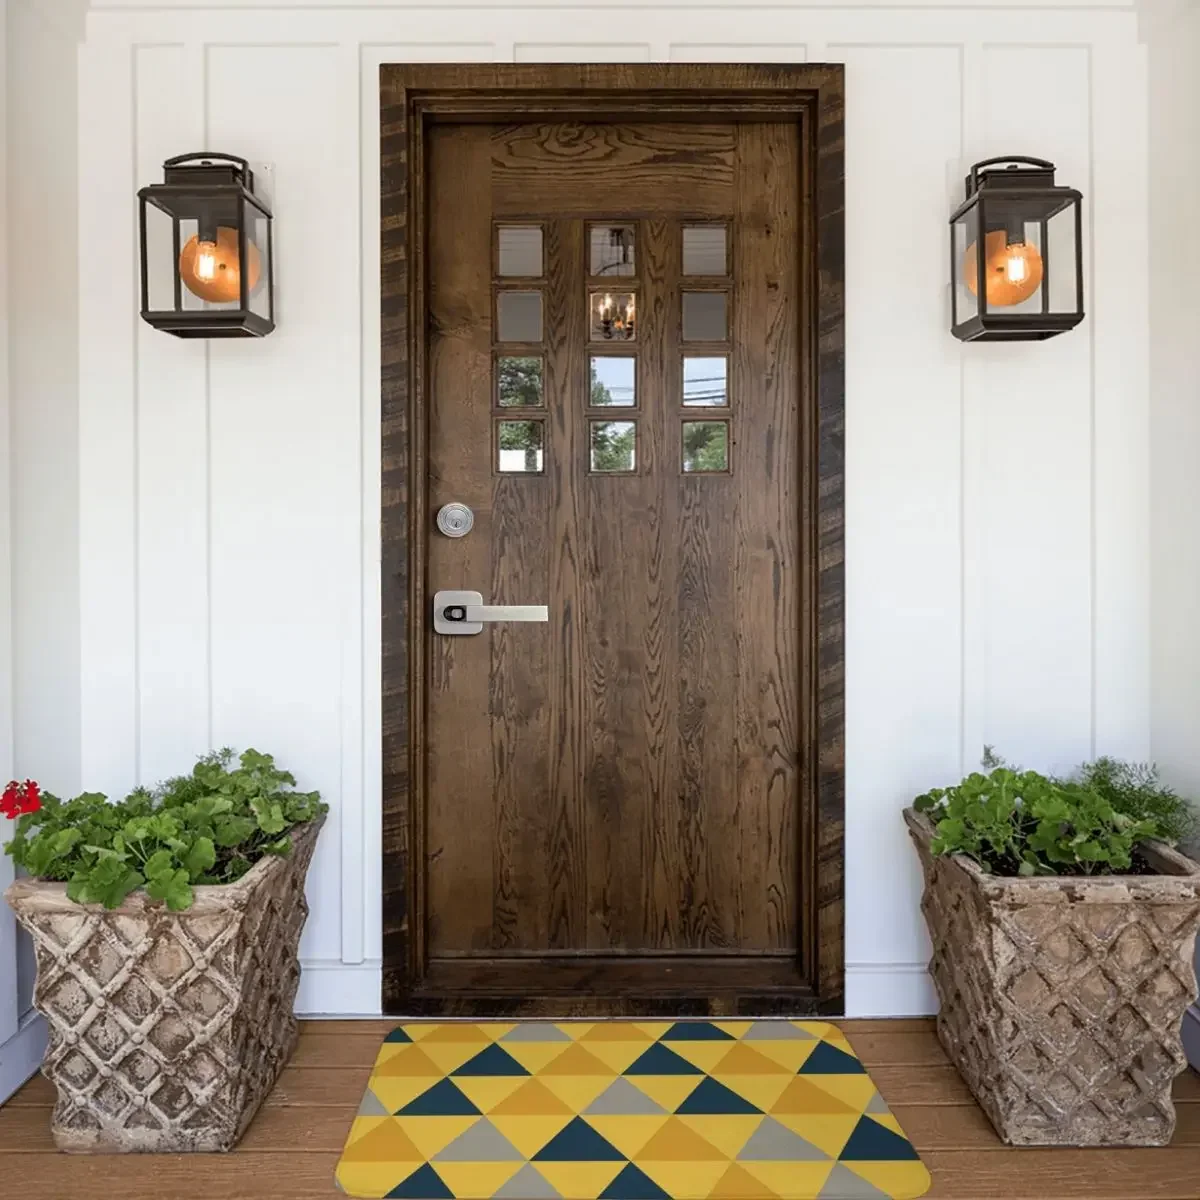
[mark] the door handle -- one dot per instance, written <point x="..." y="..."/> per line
<point x="457" y="613"/>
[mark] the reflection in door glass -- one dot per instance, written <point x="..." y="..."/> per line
<point x="706" y="446"/>
<point x="519" y="446"/>
<point x="519" y="250"/>
<point x="519" y="381"/>
<point x="610" y="250"/>
<point x="704" y="249"/>
<point x="519" y="316"/>
<point x="704" y="381"/>
<point x="613" y="381"/>
<point x="612" y="445"/>
<point x="704" y="317"/>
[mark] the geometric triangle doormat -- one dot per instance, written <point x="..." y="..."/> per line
<point x="625" y="1110"/>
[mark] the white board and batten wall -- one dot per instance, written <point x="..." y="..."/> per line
<point x="996" y="497"/>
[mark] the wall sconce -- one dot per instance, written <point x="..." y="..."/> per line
<point x="206" y="250"/>
<point x="1022" y="235"/>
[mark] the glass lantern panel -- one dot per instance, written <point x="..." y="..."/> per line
<point x="209" y="268"/>
<point x="258" y="251"/>
<point x="160" y="261"/>
<point x="966" y="304"/>
<point x="1061" y="262"/>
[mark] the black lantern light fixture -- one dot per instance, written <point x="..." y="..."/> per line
<point x="1022" y="235"/>
<point x="207" y="262"/>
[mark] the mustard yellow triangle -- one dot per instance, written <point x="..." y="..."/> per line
<point x="476" y="1180"/>
<point x="486" y="1091"/>
<point x="818" y="1029"/>
<point x="668" y="1091"/>
<point x="802" y="1096"/>
<point x="531" y="1099"/>
<point x="616" y="1031"/>
<point x="737" y="1184"/>
<point x="686" y="1180"/>
<point x="579" y="1180"/>
<point x="900" y="1180"/>
<point x="362" y="1126"/>
<point x="617" y="1055"/>
<point x="653" y="1029"/>
<point x="675" y="1142"/>
<point x="536" y="1056"/>
<point x="742" y="1059"/>
<point x="456" y="1031"/>
<point x="419" y="1030"/>
<point x="386" y="1141"/>
<point x="431" y="1134"/>
<point x="826" y="1132"/>
<point x="761" y="1090"/>
<point x="729" y="1132"/>
<point x="390" y="1050"/>
<point x="412" y="1062"/>
<point x="575" y="1060"/>
<point x="577" y="1091"/>
<point x="530" y="1133"/>
<point x="854" y="1090"/>
<point x="394" y="1094"/>
<point x="788" y="1054"/>
<point x="369" y="1179"/>
<point x="495" y="1030"/>
<point x="628" y="1133"/>
<point x="577" y="1029"/>
<point x="734" y="1028"/>
<point x="791" y="1180"/>
<point x="449" y="1056"/>
<point x="705" y="1055"/>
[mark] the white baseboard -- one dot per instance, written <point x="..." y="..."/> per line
<point x="1191" y="1036"/>
<point x="334" y="989"/>
<point x="889" y="990"/>
<point x="22" y="1054"/>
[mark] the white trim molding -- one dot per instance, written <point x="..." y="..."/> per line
<point x="889" y="990"/>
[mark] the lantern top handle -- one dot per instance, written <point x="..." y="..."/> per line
<point x="206" y="157"/>
<point x="1012" y="161"/>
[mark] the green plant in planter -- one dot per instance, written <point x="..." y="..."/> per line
<point x="1136" y="790"/>
<point x="208" y="827"/>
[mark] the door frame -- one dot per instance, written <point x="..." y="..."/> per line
<point x="412" y="97"/>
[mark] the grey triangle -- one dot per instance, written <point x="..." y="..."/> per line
<point x="535" y="1031"/>
<point x="877" y="1104"/>
<point x="773" y="1142"/>
<point x="372" y="1106"/>
<point x="527" y="1184"/>
<point x="482" y="1142"/>
<point x="777" y="1031"/>
<point x="622" y="1099"/>
<point x="843" y="1184"/>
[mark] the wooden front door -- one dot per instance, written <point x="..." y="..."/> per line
<point x="618" y="804"/>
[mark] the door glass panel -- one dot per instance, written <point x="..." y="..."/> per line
<point x="612" y="445"/>
<point x="519" y="250"/>
<point x="613" y="381"/>
<point x="519" y="446"/>
<point x="704" y="250"/>
<point x="611" y="250"/>
<point x="613" y="316"/>
<point x="704" y="317"/>
<point x="519" y="316"/>
<point x="706" y="446"/>
<point x="705" y="381"/>
<point x="519" y="381"/>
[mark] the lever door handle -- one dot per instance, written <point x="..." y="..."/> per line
<point x="456" y="612"/>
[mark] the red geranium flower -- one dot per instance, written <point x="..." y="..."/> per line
<point x="20" y="798"/>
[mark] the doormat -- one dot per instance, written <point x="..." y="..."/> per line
<point x="625" y="1110"/>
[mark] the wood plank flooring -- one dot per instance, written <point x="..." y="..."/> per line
<point x="292" y="1148"/>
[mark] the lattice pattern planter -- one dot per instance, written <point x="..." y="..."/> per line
<point x="1062" y="998"/>
<point x="167" y="1030"/>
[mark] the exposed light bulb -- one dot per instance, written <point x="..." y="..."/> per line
<point x="1015" y="265"/>
<point x="1013" y="269"/>
<point x="206" y="260"/>
<point x="211" y="269"/>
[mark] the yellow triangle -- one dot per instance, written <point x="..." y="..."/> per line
<point x="368" y="1179"/>
<point x="818" y="1029"/>
<point x="628" y="1133"/>
<point x="449" y="1056"/>
<point x="761" y="1090"/>
<point x="827" y="1133"/>
<point x="529" y="1134"/>
<point x="579" y="1180"/>
<point x="431" y="1134"/>
<point x="576" y="1029"/>
<point x="617" y="1055"/>
<point x="616" y="1031"/>
<point x="384" y="1142"/>
<point x="575" y="1060"/>
<point x="686" y="1180"/>
<point x="536" y="1056"/>
<point x="855" y="1090"/>
<point x="675" y="1142"/>
<point x="456" y="1031"/>
<point x="669" y="1091"/>
<point x="413" y="1062"/>
<point x="889" y="1122"/>
<point x="390" y="1050"/>
<point x="802" y="1096"/>
<point x="791" y="1055"/>
<point x="495" y="1030"/>
<point x="419" y="1030"/>
<point x="729" y="1132"/>
<point x="705" y="1055"/>
<point x="394" y="1094"/>
<point x="531" y="1099"/>
<point x="362" y="1126"/>
<point x="900" y="1180"/>
<point x="653" y="1029"/>
<point x="737" y="1184"/>
<point x="791" y="1180"/>
<point x="734" y="1028"/>
<point x="577" y="1091"/>
<point x="476" y="1180"/>
<point x="742" y="1059"/>
<point x="486" y="1091"/>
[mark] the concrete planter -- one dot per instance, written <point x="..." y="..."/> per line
<point x="1062" y="998"/>
<point x="167" y="1030"/>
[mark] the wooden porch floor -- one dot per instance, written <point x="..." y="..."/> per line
<point x="292" y="1148"/>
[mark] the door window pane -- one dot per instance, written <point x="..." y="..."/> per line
<point x="519" y="446"/>
<point x="519" y="316"/>
<point x="613" y="381"/>
<point x="704" y="250"/>
<point x="519" y="381"/>
<point x="706" y="446"/>
<point x="705" y="381"/>
<point x="704" y="317"/>
<point x="612" y="445"/>
<point x="613" y="318"/>
<point x="519" y="250"/>
<point x="611" y="250"/>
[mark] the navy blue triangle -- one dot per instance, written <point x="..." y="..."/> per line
<point x="713" y="1097"/>
<point x="696" y="1031"/>
<point x="662" y="1060"/>
<point x="441" y="1100"/>
<point x="633" y="1184"/>
<point x="872" y="1142"/>
<point x="423" y="1184"/>
<point x="578" y="1142"/>
<point x="829" y="1060"/>
<point x="495" y="1060"/>
<point x="397" y="1035"/>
